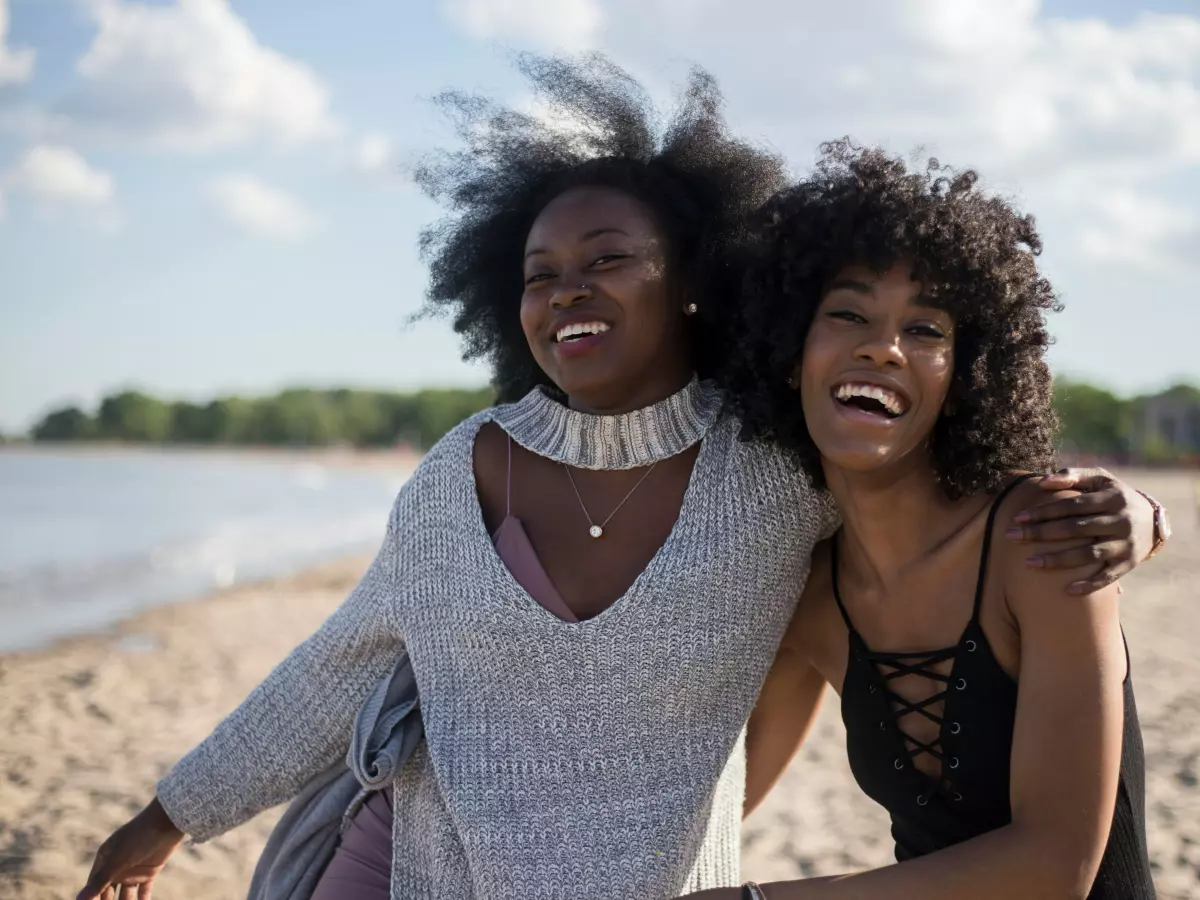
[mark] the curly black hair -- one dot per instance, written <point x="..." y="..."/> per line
<point x="699" y="183"/>
<point x="976" y="256"/>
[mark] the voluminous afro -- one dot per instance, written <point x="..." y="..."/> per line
<point x="596" y="128"/>
<point x="974" y="253"/>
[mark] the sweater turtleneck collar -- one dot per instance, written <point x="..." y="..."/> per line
<point x="544" y="426"/>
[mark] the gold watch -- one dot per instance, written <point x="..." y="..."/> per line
<point x="1162" y="525"/>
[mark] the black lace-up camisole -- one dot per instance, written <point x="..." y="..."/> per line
<point x="975" y="712"/>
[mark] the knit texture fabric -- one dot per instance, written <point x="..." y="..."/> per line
<point x="637" y="438"/>
<point x="584" y="761"/>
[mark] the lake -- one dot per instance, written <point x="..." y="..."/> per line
<point x="88" y="538"/>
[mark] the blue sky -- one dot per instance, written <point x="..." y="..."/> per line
<point x="201" y="196"/>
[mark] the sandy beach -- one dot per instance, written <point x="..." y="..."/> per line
<point x="87" y="727"/>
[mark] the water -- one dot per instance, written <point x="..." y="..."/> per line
<point x="88" y="540"/>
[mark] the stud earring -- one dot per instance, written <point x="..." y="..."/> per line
<point x="690" y="309"/>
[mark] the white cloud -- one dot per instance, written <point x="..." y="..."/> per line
<point x="261" y="210"/>
<point x="58" y="181"/>
<point x="16" y="66"/>
<point x="1054" y="106"/>
<point x="375" y="156"/>
<point x="1127" y="227"/>
<point x="554" y="24"/>
<point x="192" y="76"/>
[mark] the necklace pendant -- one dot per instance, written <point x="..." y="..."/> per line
<point x="596" y="531"/>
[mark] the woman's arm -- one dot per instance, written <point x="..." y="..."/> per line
<point x="291" y="727"/>
<point x="297" y="721"/>
<point x="791" y="696"/>
<point x="782" y="718"/>
<point x="1064" y="765"/>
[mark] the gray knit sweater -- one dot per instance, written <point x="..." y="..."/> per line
<point x="583" y="761"/>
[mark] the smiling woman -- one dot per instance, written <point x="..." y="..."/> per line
<point x="847" y="368"/>
<point x="597" y="308"/>
<point x="909" y="309"/>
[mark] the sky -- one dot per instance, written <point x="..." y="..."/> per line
<point x="204" y="197"/>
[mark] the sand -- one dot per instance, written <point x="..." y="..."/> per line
<point x="87" y="726"/>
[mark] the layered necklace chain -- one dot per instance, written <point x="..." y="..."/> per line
<point x="595" y="530"/>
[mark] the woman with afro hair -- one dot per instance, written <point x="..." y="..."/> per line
<point x="588" y="581"/>
<point x="892" y="340"/>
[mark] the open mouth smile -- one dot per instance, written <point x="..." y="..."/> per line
<point x="579" y="338"/>
<point x="577" y="331"/>
<point x="871" y="400"/>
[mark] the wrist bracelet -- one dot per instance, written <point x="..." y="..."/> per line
<point x="751" y="891"/>
<point x="1162" y="525"/>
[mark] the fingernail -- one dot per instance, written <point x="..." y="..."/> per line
<point x="1014" y="534"/>
<point x="1079" y="587"/>
<point x="1035" y="562"/>
<point x="1021" y="517"/>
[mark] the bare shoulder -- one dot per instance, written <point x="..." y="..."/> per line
<point x="491" y="448"/>
<point x="490" y="462"/>
<point x="1011" y="555"/>
<point x="1037" y="592"/>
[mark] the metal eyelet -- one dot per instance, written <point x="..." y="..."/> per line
<point x="897" y="764"/>
<point x="971" y="645"/>
<point x="871" y="689"/>
<point x="961" y="685"/>
<point x="954" y="762"/>
<point x="882" y="725"/>
<point x="955" y="727"/>
<point x="957" y="797"/>
<point x="922" y="800"/>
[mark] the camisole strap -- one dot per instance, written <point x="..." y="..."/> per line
<point x="833" y="574"/>
<point x="987" y="539"/>
<point x="508" y="488"/>
<point x="983" y="559"/>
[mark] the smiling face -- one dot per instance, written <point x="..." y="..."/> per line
<point x="876" y="372"/>
<point x="602" y="317"/>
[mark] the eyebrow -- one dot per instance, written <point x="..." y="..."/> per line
<point x="861" y="287"/>
<point x="849" y="284"/>
<point x="594" y="233"/>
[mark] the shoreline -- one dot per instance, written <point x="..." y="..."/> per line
<point x="340" y="572"/>
<point x="348" y="457"/>
<point x="89" y="724"/>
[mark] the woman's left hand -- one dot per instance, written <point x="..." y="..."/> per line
<point x="1119" y="521"/>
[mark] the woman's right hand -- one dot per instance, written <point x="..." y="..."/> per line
<point x="133" y="856"/>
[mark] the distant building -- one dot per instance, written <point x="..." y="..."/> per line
<point x="1167" y="428"/>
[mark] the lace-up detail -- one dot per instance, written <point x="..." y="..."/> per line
<point x="889" y="668"/>
<point x="921" y="665"/>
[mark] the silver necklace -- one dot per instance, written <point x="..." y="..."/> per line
<point x="598" y="530"/>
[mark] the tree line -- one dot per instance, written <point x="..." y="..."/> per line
<point x="1094" y="420"/>
<point x="299" y="417"/>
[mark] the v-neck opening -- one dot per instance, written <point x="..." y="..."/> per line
<point x="529" y="605"/>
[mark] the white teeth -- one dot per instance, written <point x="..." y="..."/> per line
<point x="568" y="331"/>
<point x="890" y="399"/>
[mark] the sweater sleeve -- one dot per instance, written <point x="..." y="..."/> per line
<point x="828" y="515"/>
<point x="297" y="722"/>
